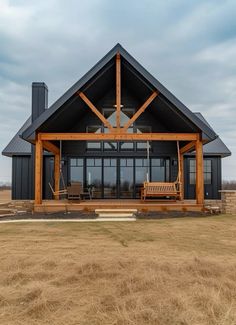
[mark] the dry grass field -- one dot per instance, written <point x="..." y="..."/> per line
<point x="5" y="196"/>
<point x="170" y="271"/>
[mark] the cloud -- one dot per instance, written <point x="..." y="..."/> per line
<point x="188" y="45"/>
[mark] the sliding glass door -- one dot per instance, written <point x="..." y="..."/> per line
<point x="94" y="176"/>
<point x="112" y="178"/>
<point x="126" y="176"/>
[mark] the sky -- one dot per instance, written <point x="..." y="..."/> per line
<point x="188" y="45"/>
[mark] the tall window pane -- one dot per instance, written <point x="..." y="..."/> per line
<point x="126" y="178"/>
<point x="110" y="178"/>
<point x="141" y="169"/>
<point x="207" y="167"/>
<point x="94" y="176"/>
<point x="158" y="169"/>
<point x="76" y="170"/>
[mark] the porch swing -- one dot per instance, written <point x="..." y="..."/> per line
<point x="63" y="191"/>
<point x="163" y="189"/>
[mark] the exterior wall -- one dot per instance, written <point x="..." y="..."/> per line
<point x="211" y="191"/>
<point x="23" y="179"/>
<point x="228" y="198"/>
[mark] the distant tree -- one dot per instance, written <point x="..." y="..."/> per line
<point x="229" y="185"/>
<point x="5" y="187"/>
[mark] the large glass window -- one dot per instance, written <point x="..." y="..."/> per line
<point x="160" y="169"/>
<point x="76" y="170"/>
<point x="207" y="164"/>
<point x="125" y="115"/>
<point x="110" y="115"/>
<point x="126" y="177"/>
<point x="118" y="177"/>
<point x="110" y="177"/>
<point x="207" y="171"/>
<point x="94" y="176"/>
<point x="141" y="171"/>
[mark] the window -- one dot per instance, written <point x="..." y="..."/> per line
<point x="76" y="170"/>
<point x="207" y="171"/>
<point x="125" y="115"/>
<point x="110" y="177"/>
<point x="192" y="171"/>
<point x="158" y="169"/>
<point x="94" y="176"/>
<point x="141" y="170"/>
<point x="207" y="164"/>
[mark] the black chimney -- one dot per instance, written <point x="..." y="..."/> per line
<point x="39" y="99"/>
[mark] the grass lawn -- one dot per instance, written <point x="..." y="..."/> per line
<point x="169" y="271"/>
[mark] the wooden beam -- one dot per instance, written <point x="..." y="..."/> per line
<point x="140" y="110"/>
<point x="96" y="111"/>
<point x="51" y="147"/>
<point x="38" y="170"/>
<point x="120" y="136"/>
<point x="57" y="175"/>
<point x="189" y="146"/>
<point x="118" y="90"/>
<point x="181" y="161"/>
<point x="199" y="172"/>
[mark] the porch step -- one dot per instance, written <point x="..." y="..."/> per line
<point x="116" y="219"/>
<point x="119" y="214"/>
<point x="115" y="215"/>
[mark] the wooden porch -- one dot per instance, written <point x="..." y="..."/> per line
<point x="50" y="206"/>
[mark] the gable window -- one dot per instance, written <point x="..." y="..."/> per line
<point x="207" y="163"/>
<point x="110" y="115"/>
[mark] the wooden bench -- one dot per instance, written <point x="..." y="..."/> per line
<point x="76" y="191"/>
<point x="158" y="189"/>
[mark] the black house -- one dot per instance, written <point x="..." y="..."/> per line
<point x="113" y="129"/>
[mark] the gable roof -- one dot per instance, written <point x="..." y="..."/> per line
<point x="29" y="133"/>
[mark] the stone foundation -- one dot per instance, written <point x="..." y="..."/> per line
<point x="228" y="198"/>
<point x="213" y="203"/>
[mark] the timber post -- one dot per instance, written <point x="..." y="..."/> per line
<point x="38" y="169"/>
<point x="57" y="174"/>
<point x="181" y="162"/>
<point x="118" y="90"/>
<point x="199" y="171"/>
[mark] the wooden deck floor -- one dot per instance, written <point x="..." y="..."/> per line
<point x="90" y="205"/>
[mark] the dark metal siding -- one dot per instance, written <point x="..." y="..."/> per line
<point x="23" y="179"/>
